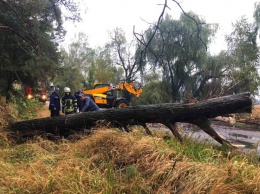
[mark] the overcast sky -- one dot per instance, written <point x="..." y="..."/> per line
<point x="102" y="16"/>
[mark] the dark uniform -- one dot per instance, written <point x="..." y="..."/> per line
<point x="88" y="104"/>
<point x="54" y="105"/>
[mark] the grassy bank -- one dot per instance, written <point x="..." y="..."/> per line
<point x="109" y="161"/>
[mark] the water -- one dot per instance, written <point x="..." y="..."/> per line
<point x="245" y="140"/>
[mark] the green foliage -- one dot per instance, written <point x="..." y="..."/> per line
<point x="25" y="109"/>
<point x="30" y="31"/>
<point x="200" y="152"/>
<point x="105" y="69"/>
<point x="177" y="49"/>
<point x="82" y="66"/>
<point x="210" y="80"/>
<point x="21" y="154"/>
<point x="106" y="73"/>
<point x="155" y="93"/>
<point x="244" y="54"/>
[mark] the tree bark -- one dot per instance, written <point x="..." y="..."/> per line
<point x="167" y="114"/>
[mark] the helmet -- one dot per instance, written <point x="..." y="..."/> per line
<point x="57" y="89"/>
<point x="66" y="89"/>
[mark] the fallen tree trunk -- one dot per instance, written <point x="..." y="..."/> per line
<point x="167" y="114"/>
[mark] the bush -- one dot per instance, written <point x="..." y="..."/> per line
<point x="25" y="109"/>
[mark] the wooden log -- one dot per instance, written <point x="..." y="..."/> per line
<point x="167" y="114"/>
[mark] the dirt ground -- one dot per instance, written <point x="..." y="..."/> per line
<point x="44" y="112"/>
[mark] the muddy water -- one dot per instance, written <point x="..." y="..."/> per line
<point x="245" y="140"/>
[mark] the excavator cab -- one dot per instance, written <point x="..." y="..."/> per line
<point x="103" y="96"/>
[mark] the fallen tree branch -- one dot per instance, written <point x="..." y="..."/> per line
<point x="167" y="114"/>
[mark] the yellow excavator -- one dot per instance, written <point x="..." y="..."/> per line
<point x="105" y="95"/>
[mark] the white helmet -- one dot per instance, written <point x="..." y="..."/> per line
<point x="66" y="89"/>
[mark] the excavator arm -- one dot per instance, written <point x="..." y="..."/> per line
<point x="130" y="87"/>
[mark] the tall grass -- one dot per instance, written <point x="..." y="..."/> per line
<point x="109" y="161"/>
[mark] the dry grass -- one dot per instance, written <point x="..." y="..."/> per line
<point x="256" y="111"/>
<point x="44" y="112"/>
<point x="110" y="161"/>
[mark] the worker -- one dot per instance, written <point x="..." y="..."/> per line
<point x="54" y="105"/>
<point x="69" y="102"/>
<point x="88" y="104"/>
<point x="79" y="101"/>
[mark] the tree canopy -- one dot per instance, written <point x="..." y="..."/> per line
<point x="178" y="48"/>
<point x="30" y="31"/>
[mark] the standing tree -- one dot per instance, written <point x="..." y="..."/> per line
<point x="82" y="65"/>
<point x="105" y="70"/>
<point x="155" y="91"/>
<point x="244" y="54"/>
<point x="123" y="56"/>
<point x="211" y="80"/>
<point x="29" y="32"/>
<point x="76" y="60"/>
<point x="178" y="48"/>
